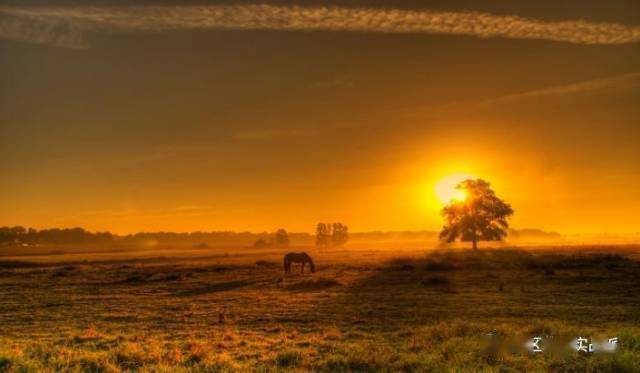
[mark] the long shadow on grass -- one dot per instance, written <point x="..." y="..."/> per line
<point x="396" y="292"/>
<point x="489" y="286"/>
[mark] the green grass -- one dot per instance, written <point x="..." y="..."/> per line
<point x="361" y="311"/>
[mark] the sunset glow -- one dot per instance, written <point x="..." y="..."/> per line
<point x="310" y="186"/>
<point x="446" y="189"/>
<point x="303" y="127"/>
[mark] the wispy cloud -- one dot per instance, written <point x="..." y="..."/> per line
<point x="70" y="26"/>
<point x="61" y="33"/>
<point x="600" y="85"/>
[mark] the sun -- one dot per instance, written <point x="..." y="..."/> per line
<point x="446" y="191"/>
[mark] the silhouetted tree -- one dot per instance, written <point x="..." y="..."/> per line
<point x="340" y="234"/>
<point x="21" y="235"/>
<point x="323" y="235"/>
<point x="280" y="238"/>
<point x="9" y="235"/>
<point x="481" y="216"/>
<point x="336" y="234"/>
<point x="261" y="243"/>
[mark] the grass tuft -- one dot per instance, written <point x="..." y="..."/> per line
<point x="288" y="359"/>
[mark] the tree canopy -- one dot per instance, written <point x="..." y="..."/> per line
<point x="336" y="234"/>
<point x="480" y="216"/>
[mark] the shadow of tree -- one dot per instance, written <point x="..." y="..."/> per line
<point x="395" y="293"/>
<point x="490" y="286"/>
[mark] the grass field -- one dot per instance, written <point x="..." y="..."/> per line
<point x="363" y="310"/>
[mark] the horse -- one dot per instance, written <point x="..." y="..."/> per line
<point x="303" y="258"/>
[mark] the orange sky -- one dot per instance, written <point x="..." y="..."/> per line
<point x="254" y="130"/>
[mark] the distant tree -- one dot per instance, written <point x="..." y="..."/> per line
<point x="10" y="235"/>
<point x="261" y="243"/>
<point x="103" y="237"/>
<point x="323" y="235"/>
<point x="340" y="234"/>
<point x="201" y="245"/>
<point x="280" y="238"/>
<point x="481" y="216"/>
<point x="336" y="234"/>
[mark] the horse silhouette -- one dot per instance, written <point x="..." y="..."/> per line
<point x="303" y="258"/>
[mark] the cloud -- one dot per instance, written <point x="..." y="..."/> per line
<point x="601" y="85"/>
<point x="69" y="26"/>
<point x="53" y="32"/>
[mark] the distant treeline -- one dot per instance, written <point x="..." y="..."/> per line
<point x="30" y="236"/>
<point x="534" y="235"/>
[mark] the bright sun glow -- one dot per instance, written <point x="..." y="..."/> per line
<point x="446" y="188"/>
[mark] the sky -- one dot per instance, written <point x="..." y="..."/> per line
<point x="246" y="116"/>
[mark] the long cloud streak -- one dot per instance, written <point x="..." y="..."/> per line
<point x="69" y="26"/>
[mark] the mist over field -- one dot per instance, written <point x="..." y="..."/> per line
<point x="335" y="186"/>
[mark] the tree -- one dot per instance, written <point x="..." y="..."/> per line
<point x="323" y="235"/>
<point x="261" y="243"/>
<point x="11" y="235"/>
<point x="480" y="216"/>
<point x="280" y="238"/>
<point x="335" y="234"/>
<point x="340" y="234"/>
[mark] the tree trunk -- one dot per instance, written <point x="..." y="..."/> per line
<point x="475" y="233"/>
<point x="475" y="240"/>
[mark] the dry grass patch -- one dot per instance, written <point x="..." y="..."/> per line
<point x="321" y="283"/>
<point x="401" y="316"/>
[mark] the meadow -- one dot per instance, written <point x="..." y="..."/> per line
<point x="364" y="309"/>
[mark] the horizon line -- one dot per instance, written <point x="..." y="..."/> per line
<point x="311" y="233"/>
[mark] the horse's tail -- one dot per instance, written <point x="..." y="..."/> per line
<point x="313" y="266"/>
<point x="286" y="264"/>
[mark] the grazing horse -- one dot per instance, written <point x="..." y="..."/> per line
<point x="303" y="258"/>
